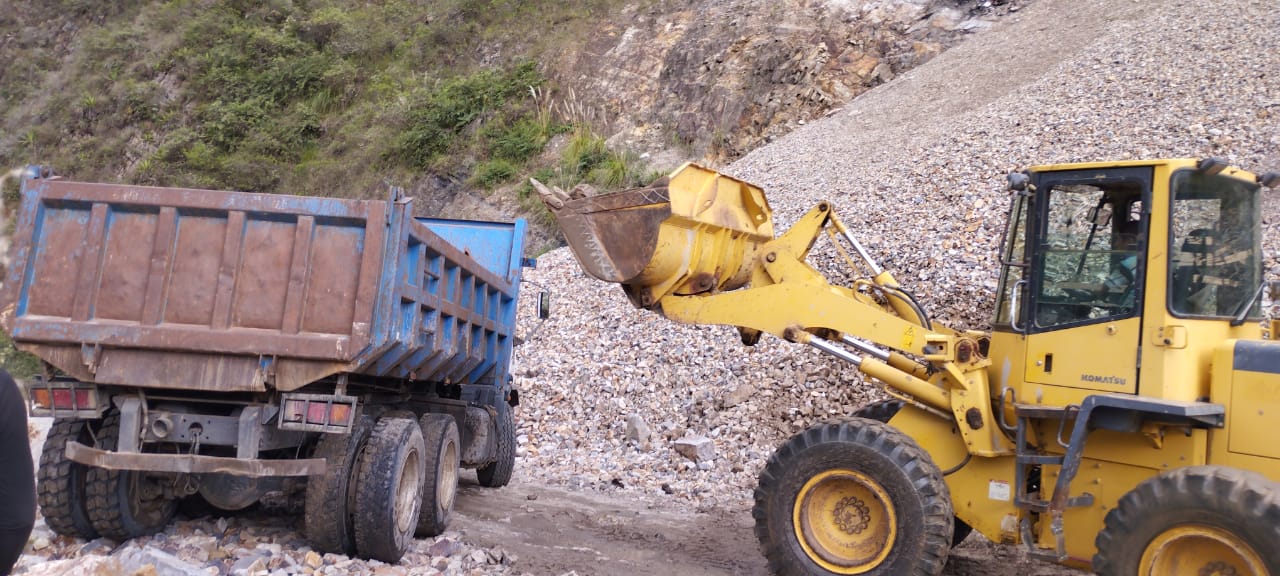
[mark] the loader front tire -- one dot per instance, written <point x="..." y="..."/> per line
<point x="389" y="489"/>
<point x="1198" y="519"/>
<point x="441" y="484"/>
<point x="884" y="411"/>
<point x="853" y="497"/>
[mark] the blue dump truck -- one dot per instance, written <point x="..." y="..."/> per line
<point x="241" y="347"/>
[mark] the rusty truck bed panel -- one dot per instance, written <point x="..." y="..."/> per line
<point x="200" y="289"/>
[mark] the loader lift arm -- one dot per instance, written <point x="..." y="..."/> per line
<point x="953" y="383"/>
<point x="710" y="257"/>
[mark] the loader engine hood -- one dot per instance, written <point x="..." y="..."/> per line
<point x="695" y="231"/>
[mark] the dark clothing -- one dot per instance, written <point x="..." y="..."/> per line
<point x="17" y="475"/>
<point x="12" y="542"/>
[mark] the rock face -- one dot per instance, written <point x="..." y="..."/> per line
<point x="722" y="76"/>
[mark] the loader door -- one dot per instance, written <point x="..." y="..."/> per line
<point x="1085" y="292"/>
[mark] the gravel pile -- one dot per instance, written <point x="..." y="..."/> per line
<point x="916" y="168"/>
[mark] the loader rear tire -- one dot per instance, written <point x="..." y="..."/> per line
<point x="331" y="496"/>
<point x="853" y="497"/>
<point x="125" y="504"/>
<point x="60" y="486"/>
<point x="498" y="473"/>
<point x="389" y="489"/>
<point x="440" y="433"/>
<point x="1199" y="519"/>
<point x="884" y="411"/>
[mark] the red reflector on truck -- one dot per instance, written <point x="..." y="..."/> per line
<point x="317" y="412"/>
<point x="76" y="398"/>
<point x="62" y="399"/>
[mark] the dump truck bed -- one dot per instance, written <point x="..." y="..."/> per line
<point x="231" y="291"/>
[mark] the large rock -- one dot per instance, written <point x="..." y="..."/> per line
<point x="696" y="448"/>
<point x="148" y="558"/>
<point x="638" y="431"/>
<point x="738" y="395"/>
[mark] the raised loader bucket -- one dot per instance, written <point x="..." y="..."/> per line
<point x="693" y="232"/>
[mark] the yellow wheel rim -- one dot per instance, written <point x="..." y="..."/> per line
<point x="845" y="521"/>
<point x="1199" y="550"/>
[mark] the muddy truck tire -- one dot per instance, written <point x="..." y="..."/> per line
<point x="498" y="473"/>
<point x="389" y="489"/>
<point x="330" y="497"/>
<point x="60" y="483"/>
<point x="125" y="504"/>
<point x="440" y="432"/>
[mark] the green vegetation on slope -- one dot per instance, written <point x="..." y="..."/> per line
<point x="327" y="97"/>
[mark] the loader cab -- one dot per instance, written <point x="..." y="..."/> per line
<point x="1108" y="268"/>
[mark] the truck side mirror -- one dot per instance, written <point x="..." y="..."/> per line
<point x="544" y="305"/>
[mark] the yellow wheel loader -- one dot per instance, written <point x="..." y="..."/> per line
<point x="1117" y="417"/>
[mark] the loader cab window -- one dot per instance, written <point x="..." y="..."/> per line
<point x="1215" y="251"/>
<point x="1089" y="266"/>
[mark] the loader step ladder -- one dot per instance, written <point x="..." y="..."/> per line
<point x="1028" y="456"/>
<point x="1116" y="412"/>
<point x="1031" y="459"/>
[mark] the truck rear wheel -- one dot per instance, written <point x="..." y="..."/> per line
<point x="125" y="504"/>
<point x="389" y="489"/>
<point x="884" y="411"/>
<point x="60" y="486"/>
<point x="330" y="497"/>
<point x="1199" y="519"/>
<point x="853" y="497"/>
<point x="440" y="433"/>
<point x="498" y="473"/>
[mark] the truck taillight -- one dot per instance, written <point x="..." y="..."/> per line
<point x="64" y="399"/>
<point x="317" y="412"/>
<point x="61" y="398"/>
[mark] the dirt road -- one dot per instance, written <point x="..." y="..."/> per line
<point x="553" y="531"/>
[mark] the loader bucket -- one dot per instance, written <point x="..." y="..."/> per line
<point x="695" y="231"/>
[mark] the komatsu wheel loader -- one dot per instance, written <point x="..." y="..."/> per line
<point x="1116" y="417"/>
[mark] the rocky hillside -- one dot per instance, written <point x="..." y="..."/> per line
<point x="448" y="99"/>
<point x="916" y="168"/>
<point x="720" y="77"/>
